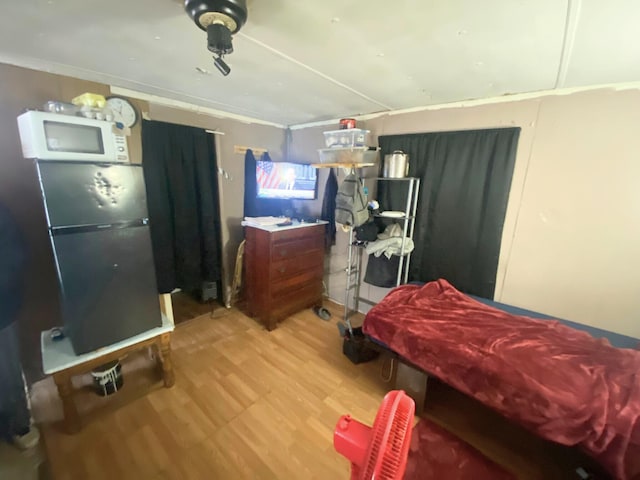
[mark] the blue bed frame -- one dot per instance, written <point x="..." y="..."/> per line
<point x="617" y="340"/>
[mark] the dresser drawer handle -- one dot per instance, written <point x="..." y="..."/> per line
<point x="283" y="252"/>
<point x="282" y="269"/>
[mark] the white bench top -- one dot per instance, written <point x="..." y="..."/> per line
<point x="59" y="355"/>
<point x="276" y="228"/>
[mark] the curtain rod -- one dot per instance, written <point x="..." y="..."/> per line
<point x="240" y="149"/>
<point x="215" y="132"/>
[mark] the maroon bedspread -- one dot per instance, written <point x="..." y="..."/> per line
<point x="436" y="454"/>
<point x="558" y="382"/>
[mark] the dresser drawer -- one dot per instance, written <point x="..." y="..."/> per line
<point x="297" y="234"/>
<point x="290" y="266"/>
<point x="295" y="301"/>
<point x="288" y="286"/>
<point x="296" y="248"/>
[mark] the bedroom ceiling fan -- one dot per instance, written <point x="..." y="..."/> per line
<point x="220" y="19"/>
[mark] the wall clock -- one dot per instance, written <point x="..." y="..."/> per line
<point x="123" y="111"/>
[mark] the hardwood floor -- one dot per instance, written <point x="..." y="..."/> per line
<point x="187" y="307"/>
<point x="252" y="404"/>
<point x="247" y="403"/>
<point x="19" y="465"/>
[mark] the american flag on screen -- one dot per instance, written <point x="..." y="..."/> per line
<point x="267" y="175"/>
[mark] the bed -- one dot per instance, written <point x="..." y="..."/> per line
<point x="555" y="379"/>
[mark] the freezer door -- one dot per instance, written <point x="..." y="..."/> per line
<point x="92" y="194"/>
<point x="108" y="285"/>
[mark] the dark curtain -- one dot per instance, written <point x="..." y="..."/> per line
<point x="465" y="182"/>
<point x="182" y="193"/>
<point x="251" y="207"/>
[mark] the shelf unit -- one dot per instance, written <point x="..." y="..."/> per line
<point x="352" y="297"/>
<point x="348" y="157"/>
<point x="408" y="222"/>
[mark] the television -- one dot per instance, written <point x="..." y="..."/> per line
<point x="286" y="181"/>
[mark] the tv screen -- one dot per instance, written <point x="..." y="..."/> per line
<point x="284" y="180"/>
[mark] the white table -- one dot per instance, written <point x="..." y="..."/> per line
<point x="59" y="360"/>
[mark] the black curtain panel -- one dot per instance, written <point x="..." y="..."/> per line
<point x="182" y="192"/>
<point x="251" y="207"/>
<point x="465" y="182"/>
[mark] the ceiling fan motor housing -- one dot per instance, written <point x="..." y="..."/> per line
<point x="230" y="13"/>
<point x="220" y="19"/>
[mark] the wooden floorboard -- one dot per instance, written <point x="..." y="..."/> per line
<point x="252" y="404"/>
<point x="186" y="306"/>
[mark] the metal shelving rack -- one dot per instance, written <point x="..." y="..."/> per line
<point x="356" y="157"/>
<point x="352" y="296"/>
<point x="408" y="222"/>
<point x="350" y="157"/>
<point x="353" y="270"/>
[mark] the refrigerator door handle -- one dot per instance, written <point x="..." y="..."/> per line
<point x="142" y="222"/>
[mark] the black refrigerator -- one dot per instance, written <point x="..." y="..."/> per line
<point x="98" y="225"/>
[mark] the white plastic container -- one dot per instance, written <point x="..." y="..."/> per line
<point x="350" y="155"/>
<point x="350" y="137"/>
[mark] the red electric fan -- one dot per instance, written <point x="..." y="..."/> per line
<point x="378" y="452"/>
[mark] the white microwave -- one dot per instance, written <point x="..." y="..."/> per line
<point x="53" y="136"/>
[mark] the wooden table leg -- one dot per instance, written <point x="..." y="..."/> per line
<point x="165" y="357"/>
<point x="65" y="390"/>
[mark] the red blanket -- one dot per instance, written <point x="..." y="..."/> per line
<point x="436" y="454"/>
<point x="559" y="382"/>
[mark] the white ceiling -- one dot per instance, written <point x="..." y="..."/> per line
<point x="299" y="61"/>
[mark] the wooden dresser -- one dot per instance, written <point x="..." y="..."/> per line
<point x="283" y="270"/>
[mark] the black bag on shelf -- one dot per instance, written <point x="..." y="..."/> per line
<point x="367" y="232"/>
<point x="382" y="271"/>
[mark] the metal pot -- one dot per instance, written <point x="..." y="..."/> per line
<point x="396" y="165"/>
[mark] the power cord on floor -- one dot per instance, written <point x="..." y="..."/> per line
<point x="388" y="378"/>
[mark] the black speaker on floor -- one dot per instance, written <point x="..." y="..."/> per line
<point x="209" y="291"/>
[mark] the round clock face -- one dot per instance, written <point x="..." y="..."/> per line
<point x="123" y="111"/>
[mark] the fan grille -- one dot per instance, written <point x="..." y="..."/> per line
<point x="389" y="446"/>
